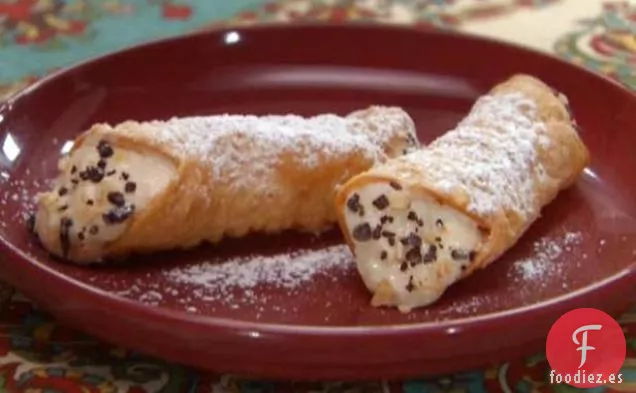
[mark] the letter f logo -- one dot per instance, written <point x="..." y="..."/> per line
<point x="584" y="347"/>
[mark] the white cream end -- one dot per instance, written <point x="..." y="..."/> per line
<point x="101" y="187"/>
<point x="409" y="248"/>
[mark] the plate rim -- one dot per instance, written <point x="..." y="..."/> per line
<point x="67" y="284"/>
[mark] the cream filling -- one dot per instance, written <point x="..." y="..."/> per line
<point x="409" y="249"/>
<point x="99" y="190"/>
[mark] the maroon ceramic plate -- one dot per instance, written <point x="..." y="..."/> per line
<point x="308" y="315"/>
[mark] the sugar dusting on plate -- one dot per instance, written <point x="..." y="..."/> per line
<point x="468" y="306"/>
<point x="236" y="282"/>
<point x="546" y="253"/>
<point x="288" y="270"/>
<point x="16" y="199"/>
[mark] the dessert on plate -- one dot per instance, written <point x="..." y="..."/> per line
<point x="140" y="187"/>
<point x="421" y="222"/>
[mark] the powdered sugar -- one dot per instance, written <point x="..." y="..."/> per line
<point x="244" y="151"/>
<point x="239" y="282"/>
<point x="151" y="297"/>
<point x="464" y="307"/>
<point x="16" y="199"/>
<point x="546" y="252"/>
<point x="282" y="270"/>
<point x="491" y="155"/>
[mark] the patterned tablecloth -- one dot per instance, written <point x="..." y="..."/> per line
<point x="38" y="36"/>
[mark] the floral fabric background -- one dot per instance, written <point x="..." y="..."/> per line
<point x="37" y="355"/>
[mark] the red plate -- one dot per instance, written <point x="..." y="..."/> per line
<point x="325" y="327"/>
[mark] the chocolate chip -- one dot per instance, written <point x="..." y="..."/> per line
<point x="73" y="170"/>
<point x="377" y="232"/>
<point x="404" y="266"/>
<point x="395" y="185"/>
<point x="362" y="232"/>
<point x="384" y="219"/>
<point x="65" y="241"/>
<point x="125" y="175"/>
<point x="388" y="234"/>
<point x="383" y="255"/>
<point x="74" y="181"/>
<point x="413" y="256"/>
<point x="63" y="208"/>
<point x="390" y="237"/>
<point x="118" y="214"/>
<point x="353" y="203"/>
<point x="412" y="216"/>
<point x="104" y="149"/>
<point x="93" y="174"/>
<point x="410" y="287"/>
<point x="431" y="254"/>
<point x="116" y="198"/>
<point x="93" y="230"/>
<point x="81" y="235"/>
<point x="130" y="187"/>
<point x="111" y="172"/>
<point x="101" y="164"/>
<point x="381" y="202"/>
<point x="361" y="211"/>
<point x="438" y="239"/>
<point x="459" y="255"/>
<point x="414" y="240"/>
<point x="411" y="240"/>
<point x="439" y="223"/>
<point x="90" y="202"/>
<point x="62" y="191"/>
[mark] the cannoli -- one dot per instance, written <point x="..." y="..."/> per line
<point x="419" y="223"/>
<point x="141" y="187"/>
